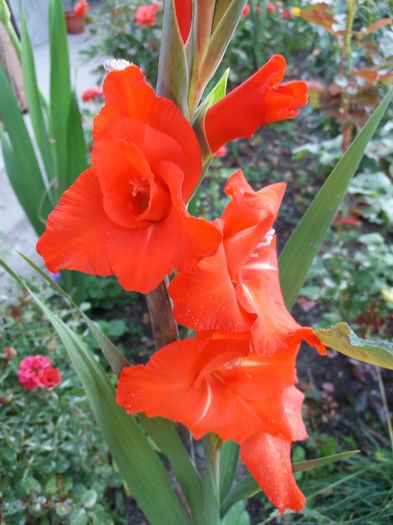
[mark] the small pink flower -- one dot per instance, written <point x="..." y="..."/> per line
<point x="221" y="152"/>
<point x="145" y="15"/>
<point x="91" y="93"/>
<point x="246" y="10"/>
<point x="36" y="371"/>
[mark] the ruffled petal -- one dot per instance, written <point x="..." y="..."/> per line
<point x="128" y="95"/>
<point x="141" y="258"/>
<point x="76" y="230"/>
<point x="268" y="458"/>
<point x="248" y="218"/>
<point x="259" y="293"/>
<point x="197" y="383"/>
<point x="205" y="298"/>
<point x="259" y="100"/>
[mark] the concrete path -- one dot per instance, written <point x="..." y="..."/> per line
<point x="15" y="230"/>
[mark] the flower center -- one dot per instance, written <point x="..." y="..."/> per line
<point x="140" y="193"/>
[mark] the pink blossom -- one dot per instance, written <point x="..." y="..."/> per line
<point x="145" y="15"/>
<point x="36" y="371"/>
<point x="91" y="93"/>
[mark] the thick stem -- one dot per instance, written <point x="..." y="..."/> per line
<point x="161" y="315"/>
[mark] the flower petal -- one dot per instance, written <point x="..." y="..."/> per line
<point x="205" y="298"/>
<point x="128" y="95"/>
<point x="75" y="234"/>
<point x="196" y="382"/>
<point x="259" y="100"/>
<point x="248" y="217"/>
<point x="268" y="458"/>
<point x="183" y="9"/>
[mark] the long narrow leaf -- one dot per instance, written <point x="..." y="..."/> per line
<point x="165" y="436"/>
<point x="34" y="102"/>
<point x="306" y="239"/>
<point x="76" y="145"/>
<point x="115" y="358"/>
<point x="137" y="462"/>
<point x="21" y="162"/>
<point x="60" y="87"/>
<point x="248" y="487"/>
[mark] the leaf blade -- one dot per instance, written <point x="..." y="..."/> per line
<point x="306" y="239"/>
<point x="343" y="339"/>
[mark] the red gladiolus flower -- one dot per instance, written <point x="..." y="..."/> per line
<point x="215" y="385"/>
<point x="246" y="10"/>
<point x="126" y="216"/>
<point x="238" y="290"/>
<point x="287" y="13"/>
<point x="145" y="15"/>
<point x="81" y="8"/>
<point x="183" y="9"/>
<point x="91" y="93"/>
<point x="261" y="99"/>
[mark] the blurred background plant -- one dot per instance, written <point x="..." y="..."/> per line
<point x="41" y="163"/>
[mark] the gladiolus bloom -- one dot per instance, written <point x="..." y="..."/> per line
<point x="91" y="93"/>
<point x="145" y="15"/>
<point x="237" y="289"/>
<point x="216" y="385"/>
<point x="126" y="216"/>
<point x="246" y="10"/>
<point x="259" y="100"/>
<point x="81" y="8"/>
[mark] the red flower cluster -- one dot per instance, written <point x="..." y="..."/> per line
<point x="236" y="377"/>
<point x="127" y="215"/>
<point x="91" y="93"/>
<point x="81" y="8"/>
<point x="145" y="15"/>
<point x="37" y="372"/>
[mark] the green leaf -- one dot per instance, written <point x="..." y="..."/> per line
<point x="172" y="67"/>
<point x="344" y="340"/>
<point x="34" y="102"/>
<point x="229" y="458"/>
<point x="138" y="464"/>
<point x="226" y="18"/>
<point x="237" y="515"/>
<point x="76" y="145"/>
<point x="78" y="517"/>
<point x="248" y="487"/>
<point x="20" y="159"/>
<point x="306" y="239"/>
<point x="167" y="439"/>
<point x="60" y="88"/>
